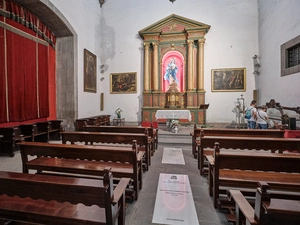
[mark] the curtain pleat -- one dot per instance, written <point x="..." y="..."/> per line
<point x="15" y="76"/>
<point x="3" y="115"/>
<point x="43" y="80"/>
<point x="52" y="82"/>
<point x="29" y="106"/>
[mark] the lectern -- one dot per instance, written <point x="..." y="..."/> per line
<point x="204" y="107"/>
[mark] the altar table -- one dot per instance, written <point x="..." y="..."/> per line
<point x="173" y="114"/>
<point x="170" y="115"/>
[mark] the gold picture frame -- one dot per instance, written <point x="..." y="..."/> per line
<point x="90" y="72"/>
<point x="123" y="83"/>
<point x="228" y="79"/>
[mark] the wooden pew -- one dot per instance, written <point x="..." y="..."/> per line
<point x="94" y="120"/>
<point x="242" y="143"/>
<point x="109" y="138"/>
<point x="36" y="131"/>
<point x="124" y="129"/>
<point x="45" y="199"/>
<point x="55" y="128"/>
<point x="244" y="169"/>
<point x="153" y="125"/>
<point x="11" y="136"/>
<point x="266" y="210"/>
<point x="200" y="132"/>
<point x="84" y="160"/>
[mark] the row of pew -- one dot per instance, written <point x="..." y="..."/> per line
<point x="38" y="131"/>
<point x="253" y="174"/>
<point x="100" y="120"/>
<point x="100" y="167"/>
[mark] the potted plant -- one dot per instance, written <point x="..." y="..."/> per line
<point x="118" y="112"/>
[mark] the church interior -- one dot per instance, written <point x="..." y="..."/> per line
<point x="173" y="88"/>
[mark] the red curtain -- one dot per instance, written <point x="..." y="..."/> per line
<point x="31" y="90"/>
<point x="52" y="83"/>
<point x="3" y="116"/>
<point x="16" y="77"/>
<point x="43" y="80"/>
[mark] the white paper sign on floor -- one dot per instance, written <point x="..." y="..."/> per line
<point x="174" y="202"/>
<point x="173" y="156"/>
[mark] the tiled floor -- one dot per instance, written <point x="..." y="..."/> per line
<point x="141" y="211"/>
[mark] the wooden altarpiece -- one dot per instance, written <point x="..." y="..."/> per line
<point x="174" y="67"/>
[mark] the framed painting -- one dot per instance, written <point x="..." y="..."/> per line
<point x="123" y="83"/>
<point x="229" y="79"/>
<point x="90" y="65"/>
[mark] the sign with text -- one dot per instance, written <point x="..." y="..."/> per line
<point x="174" y="202"/>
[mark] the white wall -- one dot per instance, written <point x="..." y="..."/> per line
<point x="111" y="32"/>
<point x="279" y="23"/>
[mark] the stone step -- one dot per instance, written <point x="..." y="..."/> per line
<point x="182" y="137"/>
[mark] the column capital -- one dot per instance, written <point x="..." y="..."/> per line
<point x="155" y="44"/>
<point x="146" y="45"/>
<point x="190" y="42"/>
<point x="201" y="41"/>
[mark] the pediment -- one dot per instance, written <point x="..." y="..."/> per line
<point x="174" y="24"/>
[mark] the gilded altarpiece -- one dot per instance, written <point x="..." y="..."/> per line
<point x="173" y="75"/>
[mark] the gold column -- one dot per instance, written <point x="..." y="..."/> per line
<point x="155" y="66"/>
<point x="146" y="67"/>
<point x="190" y="64"/>
<point x="201" y="64"/>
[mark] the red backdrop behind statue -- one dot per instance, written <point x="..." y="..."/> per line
<point x="172" y="70"/>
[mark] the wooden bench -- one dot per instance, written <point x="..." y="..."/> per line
<point x="35" y="132"/>
<point x="11" y="136"/>
<point x="125" y="129"/>
<point x="54" y="129"/>
<point x="109" y="138"/>
<point x="84" y="160"/>
<point x="94" y="120"/>
<point x="267" y="209"/>
<point x="242" y="143"/>
<point x="153" y="125"/>
<point x="201" y="132"/>
<point x="244" y="169"/>
<point x="45" y="199"/>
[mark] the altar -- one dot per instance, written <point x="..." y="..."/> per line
<point x="171" y="115"/>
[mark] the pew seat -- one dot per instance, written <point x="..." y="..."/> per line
<point x="41" y="199"/>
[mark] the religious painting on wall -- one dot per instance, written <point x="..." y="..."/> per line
<point x="123" y="83"/>
<point x="172" y="71"/>
<point x="90" y="63"/>
<point x="230" y="79"/>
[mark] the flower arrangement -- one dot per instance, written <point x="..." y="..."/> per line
<point x="175" y="122"/>
<point x="174" y="126"/>
<point x="118" y="112"/>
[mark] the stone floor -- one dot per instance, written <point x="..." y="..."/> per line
<point x="141" y="211"/>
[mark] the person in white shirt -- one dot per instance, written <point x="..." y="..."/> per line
<point x="262" y="117"/>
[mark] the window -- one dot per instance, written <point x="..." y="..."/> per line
<point x="293" y="56"/>
<point x="290" y="57"/>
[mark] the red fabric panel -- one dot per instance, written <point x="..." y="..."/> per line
<point x="43" y="80"/>
<point x="3" y="115"/>
<point x="52" y="83"/>
<point x="21" y="64"/>
<point x="20" y="27"/>
<point x="29" y="103"/>
<point x="15" y="76"/>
